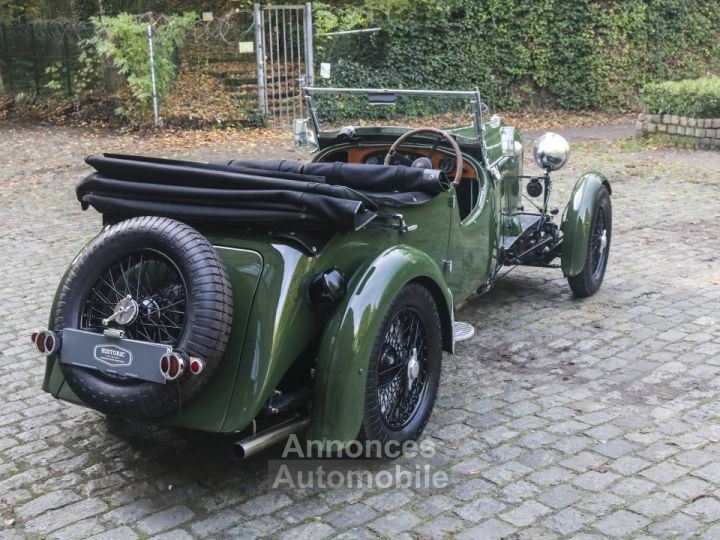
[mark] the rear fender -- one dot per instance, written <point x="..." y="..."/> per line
<point x="578" y="220"/>
<point x="348" y="338"/>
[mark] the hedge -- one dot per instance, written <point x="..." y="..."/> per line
<point x="584" y="54"/>
<point x="698" y="98"/>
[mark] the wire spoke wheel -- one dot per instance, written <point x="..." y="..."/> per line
<point x="159" y="281"/>
<point x="150" y="280"/>
<point x="402" y="372"/>
<point x="598" y="243"/>
<point x="588" y="280"/>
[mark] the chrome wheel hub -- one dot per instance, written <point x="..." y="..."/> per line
<point x="413" y="369"/>
<point x="603" y="240"/>
<point x="126" y="310"/>
<point x="151" y="310"/>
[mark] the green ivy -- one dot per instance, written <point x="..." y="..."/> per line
<point x="86" y="79"/>
<point x="584" y="54"/>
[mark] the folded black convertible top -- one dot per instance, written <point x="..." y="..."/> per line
<point x="264" y="194"/>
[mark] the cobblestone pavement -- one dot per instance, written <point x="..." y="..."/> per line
<point x="559" y="418"/>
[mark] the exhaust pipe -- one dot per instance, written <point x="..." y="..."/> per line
<point x="265" y="439"/>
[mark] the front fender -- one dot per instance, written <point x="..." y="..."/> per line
<point x="578" y="220"/>
<point x="348" y="338"/>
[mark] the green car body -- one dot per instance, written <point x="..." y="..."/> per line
<point x="274" y="324"/>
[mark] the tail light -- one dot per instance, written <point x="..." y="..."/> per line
<point x="196" y="366"/>
<point x="172" y="365"/>
<point x="45" y="341"/>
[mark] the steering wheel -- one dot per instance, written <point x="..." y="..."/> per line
<point x="405" y="136"/>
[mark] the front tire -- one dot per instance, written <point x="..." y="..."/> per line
<point x="403" y="371"/>
<point x="588" y="281"/>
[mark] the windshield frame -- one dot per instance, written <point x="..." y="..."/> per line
<point x="478" y="107"/>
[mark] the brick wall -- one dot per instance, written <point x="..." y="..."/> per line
<point x="696" y="132"/>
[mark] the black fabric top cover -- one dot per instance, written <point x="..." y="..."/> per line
<point x="267" y="194"/>
<point x="373" y="178"/>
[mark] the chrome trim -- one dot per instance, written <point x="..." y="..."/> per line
<point x="551" y="151"/>
<point x="413" y="369"/>
<point x="265" y="439"/>
<point x="43" y="336"/>
<point x="195" y="361"/>
<point x="313" y="90"/>
<point x="125" y="313"/>
<point x="474" y="96"/>
<point x="180" y="363"/>
<point x="114" y="333"/>
<point x="346" y="32"/>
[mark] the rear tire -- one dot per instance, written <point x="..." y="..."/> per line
<point x="166" y="266"/>
<point x="588" y="281"/>
<point x="398" y="405"/>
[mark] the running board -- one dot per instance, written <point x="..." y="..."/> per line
<point x="462" y="331"/>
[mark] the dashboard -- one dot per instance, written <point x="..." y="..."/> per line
<point x="468" y="191"/>
<point x="375" y="156"/>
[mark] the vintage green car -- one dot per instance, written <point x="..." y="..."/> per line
<point x="264" y="298"/>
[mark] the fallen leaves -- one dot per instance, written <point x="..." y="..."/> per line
<point x="223" y="94"/>
<point x="200" y="99"/>
<point x="183" y="139"/>
<point x="24" y="153"/>
<point x="552" y="119"/>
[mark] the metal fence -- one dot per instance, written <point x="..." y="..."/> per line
<point x="237" y="66"/>
<point x="284" y="55"/>
<point x="216" y="81"/>
<point x="31" y="54"/>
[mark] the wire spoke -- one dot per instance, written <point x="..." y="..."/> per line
<point x="170" y="305"/>
<point x="154" y="283"/>
<point x="388" y="370"/>
<point x="139" y="274"/>
<point x="141" y="330"/>
<point x="113" y="289"/>
<point x="404" y="339"/>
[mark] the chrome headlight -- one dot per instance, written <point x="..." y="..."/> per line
<point x="551" y="151"/>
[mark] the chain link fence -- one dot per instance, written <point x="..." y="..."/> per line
<point x="215" y="78"/>
<point x="214" y="82"/>
<point x="32" y="53"/>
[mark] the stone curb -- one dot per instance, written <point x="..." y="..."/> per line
<point x="683" y="130"/>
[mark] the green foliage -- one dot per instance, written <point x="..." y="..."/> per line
<point x="584" y="54"/>
<point x="699" y="98"/>
<point x="12" y="9"/>
<point x="57" y="85"/>
<point x="124" y="40"/>
<point x="85" y="79"/>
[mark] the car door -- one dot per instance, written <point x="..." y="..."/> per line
<point x="472" y="246"/>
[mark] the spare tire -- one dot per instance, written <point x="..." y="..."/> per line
<point x="183" y="296"/>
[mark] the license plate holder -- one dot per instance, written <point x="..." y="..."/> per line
<point x="112" y="355"/>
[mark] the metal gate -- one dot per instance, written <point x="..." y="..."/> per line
<point x="284" y="54"/>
